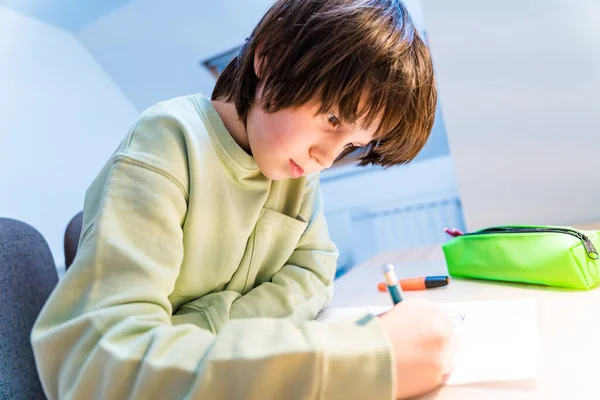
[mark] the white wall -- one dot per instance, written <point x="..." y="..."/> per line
<point x="520" y="88"/>
<point x="152" y="48"/>
<point x="70" y="15"/>
<point x="61" y="118"/>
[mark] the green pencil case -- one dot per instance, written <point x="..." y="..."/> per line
<point x="545" y="255"/>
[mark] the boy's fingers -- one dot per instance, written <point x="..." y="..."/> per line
<point x="445" y="377"/>
<point x="448" y="356"/>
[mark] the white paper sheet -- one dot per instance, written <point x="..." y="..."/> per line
<point x="499" y="338"/>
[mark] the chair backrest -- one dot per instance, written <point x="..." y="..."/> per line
<point x="27" y="276"/>
<point x="71" y="240"/>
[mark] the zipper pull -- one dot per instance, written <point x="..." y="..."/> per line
<point x="589" y="248"/>
<point x="453" y="232"/>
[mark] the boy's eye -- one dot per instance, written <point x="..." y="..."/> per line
<point x="333" y="120"/>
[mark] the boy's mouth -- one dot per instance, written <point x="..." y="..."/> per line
<point x="297" y="170"/>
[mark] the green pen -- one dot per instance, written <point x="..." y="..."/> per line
<point x="392" y="283"/>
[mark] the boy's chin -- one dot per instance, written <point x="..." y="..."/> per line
<point x="272" y="175"/>
<point x="275" y="175"/>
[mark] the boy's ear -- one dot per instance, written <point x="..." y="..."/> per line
<point x="259" y="62"/>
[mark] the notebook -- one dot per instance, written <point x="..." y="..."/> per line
<point x="499" y="338"/>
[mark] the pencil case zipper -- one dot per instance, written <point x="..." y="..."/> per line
<point x="587" y="243"/>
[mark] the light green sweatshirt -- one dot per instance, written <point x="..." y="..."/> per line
<point x="199" y="278"/>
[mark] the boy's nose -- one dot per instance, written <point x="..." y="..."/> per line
<point x="328" y="162"/>
<point x="325" y="157"/>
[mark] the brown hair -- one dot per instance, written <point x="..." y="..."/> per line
<point x="362" y="57"/>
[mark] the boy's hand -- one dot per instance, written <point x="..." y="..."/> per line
<point x="424" y="345"/>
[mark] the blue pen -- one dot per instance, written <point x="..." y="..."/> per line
<point x="392" y="283"/>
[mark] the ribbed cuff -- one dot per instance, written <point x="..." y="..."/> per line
<point x="358" y="362"/>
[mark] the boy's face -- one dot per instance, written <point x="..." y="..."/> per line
<point x="294" y="142"/>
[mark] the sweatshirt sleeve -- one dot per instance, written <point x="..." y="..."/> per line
<point x="106" y="331"/>
<point x="305" y="284"/>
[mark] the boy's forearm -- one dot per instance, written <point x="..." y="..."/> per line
<point x="210" y="312"/>
<point x="294" y="292"/>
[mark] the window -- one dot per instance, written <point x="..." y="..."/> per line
<point x="217" y="64"/>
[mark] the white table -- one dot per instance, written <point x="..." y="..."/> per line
<point x="569" y="323"/>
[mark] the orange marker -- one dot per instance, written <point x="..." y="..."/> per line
<point x="427" y="282"/>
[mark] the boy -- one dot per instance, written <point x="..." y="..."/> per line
<point x="205" y="255"/>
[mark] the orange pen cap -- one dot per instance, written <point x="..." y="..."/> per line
<point x="427" y="282"/>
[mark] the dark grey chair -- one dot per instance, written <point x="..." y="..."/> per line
<point x="71" y="239"/>
<point x="27" y="276"/>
